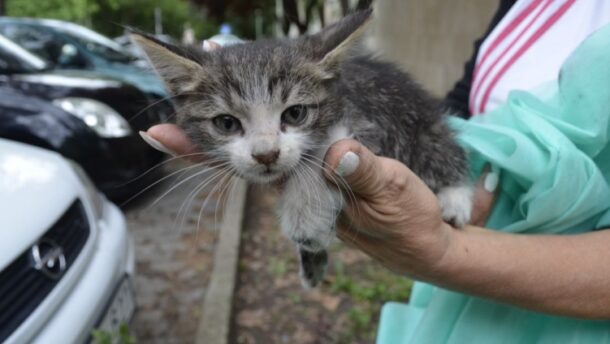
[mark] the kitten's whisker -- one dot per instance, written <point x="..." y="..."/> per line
<point x="211" y="193"/>
<point x="159" y="181"/>
<point x="343" y="185"/>
<point x="218" y="189"/>
<point x="312" y="175"/>
<point x="332" y="175"/>
<point x="203" y="203"/>
<point x="341" y="182"/>
<point x="309" y="194"/>
<point x="185" y="180"/>
<point x="191" y="196"/>
<point x="164" y="162"/>
<point x="230" y="188"/>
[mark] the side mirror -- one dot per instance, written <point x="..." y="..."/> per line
<point x="71" y="57"/>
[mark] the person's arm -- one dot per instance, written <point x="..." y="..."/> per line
<point x="397" y="221"/>
<point x="456" y="100"/>
<point x="560" y="274"/>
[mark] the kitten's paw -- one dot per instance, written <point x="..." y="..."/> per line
<point x="456" y="204"/>
<point x="313" y="267"/>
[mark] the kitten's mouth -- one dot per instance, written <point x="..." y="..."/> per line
<point x="268" y="176"/>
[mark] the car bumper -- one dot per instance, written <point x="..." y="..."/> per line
<point x="122" y="166"/>
<point x="112" y="259"/>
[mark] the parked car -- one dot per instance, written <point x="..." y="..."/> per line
<point x="125" y="42"/>
<point x="71" y="46"/>
<point x="66" y="258"/>
<point x="83" y="115"/>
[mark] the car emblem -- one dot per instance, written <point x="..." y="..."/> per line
<point x="49" y="258"/>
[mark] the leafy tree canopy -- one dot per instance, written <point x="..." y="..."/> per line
<point x="109" y="16"/>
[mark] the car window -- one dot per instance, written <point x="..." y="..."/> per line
<point x="36" y="41"/>
<point x="96" y="43"/>
<point x="101" y="50"/>
<point x="14" y="59"/>
<point x="11" y="64"/>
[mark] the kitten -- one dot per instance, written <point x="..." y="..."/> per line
<point x="271" y="109"/>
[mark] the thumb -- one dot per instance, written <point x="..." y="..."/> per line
<point x="354" y="164"/>
<point x="170" y="139"/>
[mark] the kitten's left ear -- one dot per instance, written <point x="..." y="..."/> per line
<point x="332" y="45"/>
<point x="179" y="73"/>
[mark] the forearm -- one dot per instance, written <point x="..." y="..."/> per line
<point x="566" y="275"/>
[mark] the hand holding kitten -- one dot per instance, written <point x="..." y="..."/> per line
<point x="396" y="218"/>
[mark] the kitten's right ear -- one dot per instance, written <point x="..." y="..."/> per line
<point x="180" y="74"/>
<point x="332" y="45"/>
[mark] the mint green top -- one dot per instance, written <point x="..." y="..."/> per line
<point x="551" y="148"/>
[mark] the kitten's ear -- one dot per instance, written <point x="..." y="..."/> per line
<point x="332" y="45"/>
<point x="179" y="73"/>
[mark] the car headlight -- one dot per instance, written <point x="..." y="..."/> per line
<point x="94" y="197"/>
<point x="98" y="116"/>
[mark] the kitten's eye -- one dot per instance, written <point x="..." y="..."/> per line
<point x="294" y="115"/>
<point x="227" y="124"/>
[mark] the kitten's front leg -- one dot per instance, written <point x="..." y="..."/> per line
<point x="308" y="211"/>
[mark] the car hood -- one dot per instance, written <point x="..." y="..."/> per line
<point x="143" y="79"/>
<point x="36" y="188"/>
<point x="70" y="78"/>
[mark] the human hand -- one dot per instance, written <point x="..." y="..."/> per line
<point x="170" y="139"/>
<point x="395" y="217"/>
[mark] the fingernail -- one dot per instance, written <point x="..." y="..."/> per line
<point x="155" y="144"/>
<point x="348" y="164"/>
<point x="491" y="182"/>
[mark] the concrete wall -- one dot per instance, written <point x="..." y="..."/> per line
<point x="431" y="39"/>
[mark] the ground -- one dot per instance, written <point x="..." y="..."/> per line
<point x="174" y="257"/>
<point x="272" y="306"/>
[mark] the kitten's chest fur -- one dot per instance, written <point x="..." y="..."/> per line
<point x="381" y="107"/>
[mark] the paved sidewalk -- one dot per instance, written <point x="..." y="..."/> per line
<point x="174" y="259"/>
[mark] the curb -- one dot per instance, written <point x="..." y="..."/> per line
<point x="215" y="323"/>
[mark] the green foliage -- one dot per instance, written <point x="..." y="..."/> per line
<point x="241" y="16"/>
<point x="277" y="267"/>
<point x="73" y="10"/>
<point x="110" y="16"/>
<point x="380" y="286"/>
<point x="140" y="14"/>
<point x="122" y="336"/>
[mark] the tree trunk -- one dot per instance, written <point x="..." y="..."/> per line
<point x="363" y="4"/>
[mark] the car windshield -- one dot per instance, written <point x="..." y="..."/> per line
<point x="14" y="59"/>
<point x="94" y="42"/>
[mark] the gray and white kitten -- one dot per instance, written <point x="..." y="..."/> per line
<point x="271" y="109"/>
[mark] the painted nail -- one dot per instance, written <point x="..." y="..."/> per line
<point x="491" y="182"/>
<point x="210" y="45"/>
<point x="155" y="144"/>
<point x="348" y="164"/>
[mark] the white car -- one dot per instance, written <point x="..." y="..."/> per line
<point x="66" y="259"/>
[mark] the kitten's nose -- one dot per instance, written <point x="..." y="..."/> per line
<point x="267" y="158"/>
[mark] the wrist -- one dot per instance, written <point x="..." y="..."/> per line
<point x="445" y="264"/>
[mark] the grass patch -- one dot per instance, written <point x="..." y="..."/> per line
<point x="368" y="294"/>
<point x="122" y="336"/>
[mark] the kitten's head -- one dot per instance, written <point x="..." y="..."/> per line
<point x="262" y="106"/>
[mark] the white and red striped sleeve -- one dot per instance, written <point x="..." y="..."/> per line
<point x="529" y="45"/>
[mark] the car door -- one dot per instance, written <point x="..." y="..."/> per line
<point x="45" y="44"/>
